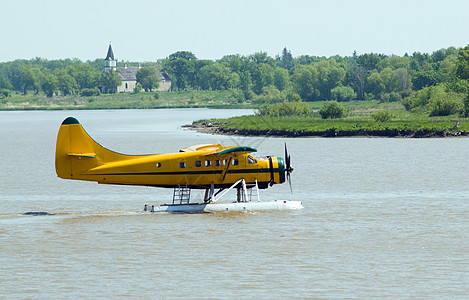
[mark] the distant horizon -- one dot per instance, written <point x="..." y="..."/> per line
<point x="210" y="29"/>
<point x="272" y="56"/>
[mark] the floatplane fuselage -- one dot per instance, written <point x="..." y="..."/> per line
<point x="207" y="167"/>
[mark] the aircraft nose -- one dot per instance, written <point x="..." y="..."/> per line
<point x="281" y="169"/>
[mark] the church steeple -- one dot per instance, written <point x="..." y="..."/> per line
<point x="110" y="62"/>
<point x="110" y="54"/>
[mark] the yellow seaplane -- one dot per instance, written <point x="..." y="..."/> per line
<point x="214" y="168"/>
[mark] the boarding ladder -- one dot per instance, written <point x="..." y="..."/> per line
<point x="181" y="195"/>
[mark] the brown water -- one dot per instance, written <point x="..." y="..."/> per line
<point x="383" y="218"/>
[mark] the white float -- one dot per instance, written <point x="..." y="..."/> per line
<point x="218" y="207"/>
<point x="211" y="205"/>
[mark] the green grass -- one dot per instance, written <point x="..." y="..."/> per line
<point x="358" y="122"/>
<point x="215" y="99"/>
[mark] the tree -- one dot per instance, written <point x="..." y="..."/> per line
<point x="66" y="83"/>
<point x="215" y="76"/>
<point x="85" y="75"/>
<point x="281" y="78"/>
<point x="394" y="62"/>
<point x="110" y="81"/>
<point x="187" y="55"/>
<point x="49" y="84"/>
<point x="356" y="78"/>
<point x="462" y="70"/>
<point x="148" y="78"/>
<point x="448" y="68"/>
<point x="305" y="80"/>
<point x="261" y="58"/>
<point x="262" y="75"/>
<point x="181" y="70"/>
<point x="375" y="84"/>
<point x="5" y="83"/>
<point x="424" y="78"/>
<point x="420" y="61"/>
<point x="286" y="59"/>
<point x="343" y="93"/>
<point x="330" y="75"/>
<point x="245" y="83"/>
<point x="236" y="63"/>
<point x="401" y="81"/>
<point x="29" y="77"/>
<point x="370" y="61"/>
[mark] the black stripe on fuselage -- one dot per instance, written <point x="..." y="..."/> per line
<point x="241" y="171"/>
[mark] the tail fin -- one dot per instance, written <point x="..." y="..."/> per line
<point x="76" y="152"/>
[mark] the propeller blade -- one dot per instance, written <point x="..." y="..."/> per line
<point x="288" y="167"/>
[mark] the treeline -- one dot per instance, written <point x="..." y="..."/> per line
<point x="414" y="79"/>
<point x="67" y="77"/>
<point x="368" y="76"/>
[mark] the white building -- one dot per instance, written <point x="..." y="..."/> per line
<point x="129" y="74"/>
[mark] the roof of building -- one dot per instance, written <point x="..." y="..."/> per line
<point x="128" y="73"/>
<point x="110" y="54"/>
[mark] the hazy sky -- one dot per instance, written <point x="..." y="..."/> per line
<point x="145" y="30"/>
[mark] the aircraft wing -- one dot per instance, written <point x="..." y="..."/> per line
<point x="237" y="149"/>
<point x="218" y="149"/>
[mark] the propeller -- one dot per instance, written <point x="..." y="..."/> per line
<point x="288" y="167"/>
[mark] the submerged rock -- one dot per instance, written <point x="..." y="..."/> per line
<point x="38" y="213"/>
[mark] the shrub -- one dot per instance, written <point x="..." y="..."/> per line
<point x="465" y="110"/>
<point x="90" y="92"/>
<point x="343" y="93"/>
<point x="383" y="115"/>
<point x="445" y="106"/>
<point x="421" y="98"/>
<point x="436" y="100"/>
<point x="270" y="94"/>
<point x="394" y="97"/>
<point x="284" y="109"/>
<point x="384" y="97"/>
<point x="138" y="87"/>
<point x="333" y="110"/>
<point x="369" y="96"/>
<point x="5" y="93"/>
<point x="237" y="96"/>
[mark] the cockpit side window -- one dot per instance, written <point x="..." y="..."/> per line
<point x="252" y="160"/>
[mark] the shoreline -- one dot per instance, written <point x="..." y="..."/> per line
<point x="389" y="133"/>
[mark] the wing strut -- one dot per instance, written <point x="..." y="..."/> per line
<point x="226" y="170"/>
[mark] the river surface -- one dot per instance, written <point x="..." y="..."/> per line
<point x="383" y="218"/>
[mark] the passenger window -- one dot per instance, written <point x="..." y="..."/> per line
<point x="252" y="160"/>
<point x="198" y="163"/>
<point x="224" y="162"/>
<point x="235" y="162"/>
<point x="217" y="163"/>
<point x="208" y="163"/>
<point x="182" y="165"/>
<point x="158" y="165"/>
